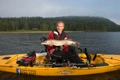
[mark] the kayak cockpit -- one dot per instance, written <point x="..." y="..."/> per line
<point x="40" y="59"/>
<point x="42" y="66"/>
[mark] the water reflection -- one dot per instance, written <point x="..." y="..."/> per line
<point x="105" y="76"/>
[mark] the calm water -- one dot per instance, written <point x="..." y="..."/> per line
<point x="96" y="42"/>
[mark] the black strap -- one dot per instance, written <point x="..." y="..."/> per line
<point x="88" y="55"/>
<point x="62" y="35"/>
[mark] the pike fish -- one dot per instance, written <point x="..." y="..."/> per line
<point x="60" y="42"/>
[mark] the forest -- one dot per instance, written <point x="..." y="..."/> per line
<point x="72" y="23"/>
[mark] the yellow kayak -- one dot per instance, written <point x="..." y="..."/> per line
<point x="101" y="63"/>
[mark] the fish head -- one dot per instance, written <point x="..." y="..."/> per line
<point x="44" y="43"/>
<point x="48" y="42"/>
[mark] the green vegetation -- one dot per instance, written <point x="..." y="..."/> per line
<point x="72" y="23"/>
<point x="31" y="32"/>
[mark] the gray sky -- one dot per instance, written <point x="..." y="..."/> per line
<point x="52" y="8"/>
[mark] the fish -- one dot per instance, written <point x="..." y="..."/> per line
<point x="60" y="42"/>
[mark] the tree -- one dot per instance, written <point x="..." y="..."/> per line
<point x="72" y="23"/>
<point x="25" y="27"/>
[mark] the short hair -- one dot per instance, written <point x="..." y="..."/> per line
<point x="60" y="22"/>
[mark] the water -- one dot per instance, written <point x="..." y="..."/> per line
<point x="95" y="42"/>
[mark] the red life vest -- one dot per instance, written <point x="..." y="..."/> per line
<point x="57" y="36"/>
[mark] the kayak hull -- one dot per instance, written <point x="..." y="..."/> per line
<point x="10" y="65"/>
<point x="58" y="72"/>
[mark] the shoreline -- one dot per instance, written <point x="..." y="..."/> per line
<point x="32" y="32"/>
<point x="5" y="32"/>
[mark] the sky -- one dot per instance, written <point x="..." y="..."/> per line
<point x="54" y="8"/>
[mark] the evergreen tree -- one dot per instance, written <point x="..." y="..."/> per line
<point x="72" y="23"/>
<point x="25" y="27"/>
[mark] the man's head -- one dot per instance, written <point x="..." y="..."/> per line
<point x="60" y="26"/>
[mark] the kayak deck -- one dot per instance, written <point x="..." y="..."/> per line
<point x="8" y="64"/>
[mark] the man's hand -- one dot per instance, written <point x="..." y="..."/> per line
<point x="51" y="44"/>
<point x="65" y="44"/>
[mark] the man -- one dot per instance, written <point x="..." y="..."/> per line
<point x="65" y="50"/>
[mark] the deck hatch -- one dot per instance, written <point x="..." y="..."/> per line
<point x="5" y="58"/>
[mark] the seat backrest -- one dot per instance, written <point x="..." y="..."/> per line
<point x="42" y="39"/>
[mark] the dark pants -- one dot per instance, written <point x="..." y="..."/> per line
<point x="71" y="55"/>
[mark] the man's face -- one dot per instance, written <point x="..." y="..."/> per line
<point x="60" y="26"/>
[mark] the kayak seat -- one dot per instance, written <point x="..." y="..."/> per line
<point x="56" y="59"/>
<point x="42" y="39"/>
